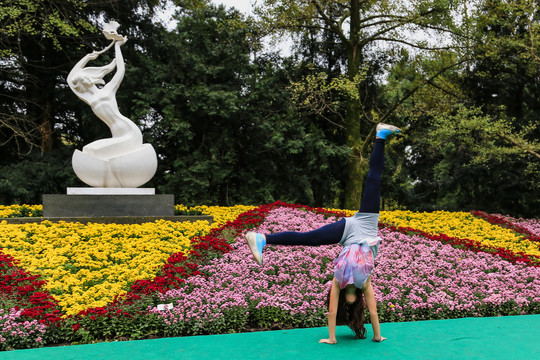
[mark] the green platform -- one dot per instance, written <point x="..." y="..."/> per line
<point x="511" y="337"/>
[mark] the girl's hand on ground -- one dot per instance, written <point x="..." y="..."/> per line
<point x="381" y="339"/>
<point x="328" y="341"/>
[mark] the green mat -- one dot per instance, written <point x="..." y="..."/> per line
<point x="510" y="337"/>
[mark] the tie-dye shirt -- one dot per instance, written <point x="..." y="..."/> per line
<point x="360" y="246"/>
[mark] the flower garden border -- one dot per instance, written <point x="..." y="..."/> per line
<point x="110" y="219"/>
<point x="38" y="304"/>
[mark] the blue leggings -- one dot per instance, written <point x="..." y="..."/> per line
<point x="332" y="233"/>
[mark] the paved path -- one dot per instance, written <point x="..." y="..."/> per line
<point x="501" y="338"/>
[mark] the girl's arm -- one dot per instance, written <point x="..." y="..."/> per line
<point x="332" y="313"/>
<point x="372" y="307"/>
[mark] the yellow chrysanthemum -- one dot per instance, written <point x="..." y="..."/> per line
<point x="462" y="225"/>
<point x="7" y="211"/>
<point x="85" y="265"/>
<point x="222" y="214"/>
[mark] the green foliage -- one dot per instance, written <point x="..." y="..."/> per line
<point x="47" y="19"/>
<point x="232" y="124"/>
<point x="25" y="182"/>
<point x="508" y="34"/>
<point x="484" y="137"/>
<point x="266" y="316"/>
<point x="452" y="162"/>
<point x="223" y="125"/>
<point x="269" y="317"/>
<point x="317" y="93"/>
<point x="504" y="79"/>
<point x="128" y="322"/>
<point x="509" y="308"/>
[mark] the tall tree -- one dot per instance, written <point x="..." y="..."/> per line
<point x="504" y="79"/>
<point x="360" y="25"/>
<point x="190" y="83"/>
<point x="222" y="122"/>
<point x="33" y="37"/>
<point x="473" y="139"/>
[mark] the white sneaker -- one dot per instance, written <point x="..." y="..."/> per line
<point x="383" y="130"/>
<point x="256" y="244"/>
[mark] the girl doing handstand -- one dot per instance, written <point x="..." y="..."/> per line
<point x="360" y="241"/>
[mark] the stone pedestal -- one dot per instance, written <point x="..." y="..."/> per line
<point x="109" y="191"/>
<point x="97" y="202"/>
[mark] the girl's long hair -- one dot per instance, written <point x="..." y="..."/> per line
<point x="351" y="314"/>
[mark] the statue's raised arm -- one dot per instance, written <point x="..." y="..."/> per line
<point x="114" y="84"/>
<point x="83" y="80"/>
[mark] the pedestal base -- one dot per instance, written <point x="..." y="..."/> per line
<point x="58" y="205"/>
<point x="109" y="191"/>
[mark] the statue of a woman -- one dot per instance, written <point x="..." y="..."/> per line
<point x="122" y="160"/>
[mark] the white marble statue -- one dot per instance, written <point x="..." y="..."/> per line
<point x="122" y="161"/>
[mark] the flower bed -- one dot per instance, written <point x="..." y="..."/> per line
<point x="9" y="211"/>
<point x="87" y="265"/>
<point x="215" y="287"/>
<point x="417" y="278"/>
<point x="530" y="229"/>
<point x="289" y="290"/>
<point x="464" y="229"/>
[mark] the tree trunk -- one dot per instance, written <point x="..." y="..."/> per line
<point x="46" y="129"/>
<point x="356" y="165"/>
<point x="40" y="90"/>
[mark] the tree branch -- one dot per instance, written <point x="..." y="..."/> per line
<point x="414" y="45"/>
<point x="412" y="91"/>
<point x="329" y="22"/>
<point x="521" y="146"/>
<point x="446" y="91"/>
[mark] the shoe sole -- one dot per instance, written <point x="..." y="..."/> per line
<point x="392" y="128"/>
<point x="251" y="238"/>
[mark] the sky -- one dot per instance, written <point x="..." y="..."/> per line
<point x="242" y="5"/>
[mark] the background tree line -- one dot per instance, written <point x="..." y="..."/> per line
<point x="236" y="122"/>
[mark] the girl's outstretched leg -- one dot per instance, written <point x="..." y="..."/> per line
<point x="326" y="235"/>
<point x="332" y="233"/>
<point x="256" y="243"/>
<point x="371" y="199"/>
